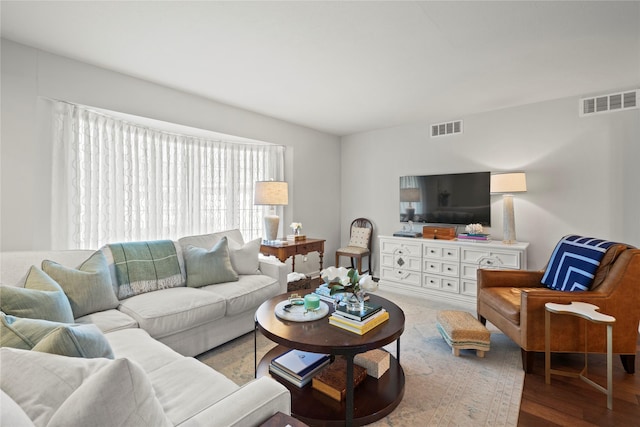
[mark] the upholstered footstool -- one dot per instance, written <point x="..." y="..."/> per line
<point x="463" y="332"/>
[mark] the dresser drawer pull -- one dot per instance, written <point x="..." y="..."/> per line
<point x="449" y="253"/>
<point x="448" y="268"/>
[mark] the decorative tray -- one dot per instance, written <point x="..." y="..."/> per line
<point x="297" y="313"/>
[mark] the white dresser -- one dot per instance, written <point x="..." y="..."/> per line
<point x="443" y="270"/>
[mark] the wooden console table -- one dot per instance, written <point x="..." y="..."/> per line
<point x="291" y="249"/>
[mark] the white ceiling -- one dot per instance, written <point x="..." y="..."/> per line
<point x="348" y="67"/>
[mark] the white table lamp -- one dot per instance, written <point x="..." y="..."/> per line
<point x="271" y="193"/>
<point x="508" y="183"/>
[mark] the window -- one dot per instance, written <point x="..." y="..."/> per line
<point x="114" y="181"/>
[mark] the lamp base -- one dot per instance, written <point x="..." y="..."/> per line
<point x="271" y="223"/>
<point x="508" y="220"/>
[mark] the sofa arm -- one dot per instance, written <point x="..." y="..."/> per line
<point x="250" y="405"/>
<point x="509" y="278"/>
<point x="273" y="267"/>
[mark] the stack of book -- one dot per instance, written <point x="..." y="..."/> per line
<point x="298" y="367"/>
<point x="359" y="322"/>
<point x="296" y="237"/>
<point x="474" y="236"/>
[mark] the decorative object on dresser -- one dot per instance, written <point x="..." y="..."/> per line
<point x="508" y="183"/>
<point x="443" y="269"/>
<point x="271" y="193"/>
<point x="360" y="235"/>
<point x="441" y="233"/>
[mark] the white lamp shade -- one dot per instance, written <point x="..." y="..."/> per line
<point x="271" y="193"/>
<point x="515" y="182"/>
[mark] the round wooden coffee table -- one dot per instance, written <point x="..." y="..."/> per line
<point x="372" y="400"/>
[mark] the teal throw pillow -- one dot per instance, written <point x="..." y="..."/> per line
<point x="88" y="288"/>
<point x="65" y="339"/>
<point x="41" y="298"/>
<point x="208" y="267"/>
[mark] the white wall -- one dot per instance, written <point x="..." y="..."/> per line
<point x="27" y="74"/>
<point x="582" y="173"/>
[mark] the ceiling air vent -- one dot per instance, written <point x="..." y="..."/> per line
<point x="449" y="128"/>
<point x="609" y="103"/>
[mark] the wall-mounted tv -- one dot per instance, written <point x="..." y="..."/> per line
<point x="460" y="198"/>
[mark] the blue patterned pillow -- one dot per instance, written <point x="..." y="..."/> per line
<point x="574" y="263"/>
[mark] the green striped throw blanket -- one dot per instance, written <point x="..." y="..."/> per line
<point x="145" y="267"/>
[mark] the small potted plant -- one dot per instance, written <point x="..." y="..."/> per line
<point x="296" y="227"/>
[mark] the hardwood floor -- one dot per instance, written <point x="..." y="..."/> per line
<point x="572" y="402"/>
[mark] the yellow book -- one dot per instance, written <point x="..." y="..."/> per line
<point x="360" y="330"/>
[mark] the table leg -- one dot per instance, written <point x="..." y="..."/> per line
<point x="321" y="254"/>
<point x="547" y="347"/>
<point x="349" y="409"/>
<point x="609" y="366"/>
<point x="398" y="349"/>
<point x="255" y="350"/>
<point x="293" y="263"/>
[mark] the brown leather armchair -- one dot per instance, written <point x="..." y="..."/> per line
<point x="514" y="302"/>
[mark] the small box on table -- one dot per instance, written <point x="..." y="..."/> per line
<point x="376" y="362"/>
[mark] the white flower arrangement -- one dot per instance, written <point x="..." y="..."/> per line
<point x="296" y="226"/>
<point x="474" y="229"/>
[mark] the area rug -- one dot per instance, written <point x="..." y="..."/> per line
<point x="440" y="389"/>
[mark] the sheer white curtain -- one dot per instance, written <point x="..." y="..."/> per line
<point x="116" y="181"/>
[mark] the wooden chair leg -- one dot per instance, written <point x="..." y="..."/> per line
<point x="628" y="363"/>
<point x="337" y="260"/>
<point x="359" y="265"/>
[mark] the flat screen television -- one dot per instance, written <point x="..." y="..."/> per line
<point x="459" y="198"/>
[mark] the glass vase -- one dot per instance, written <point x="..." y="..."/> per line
<point x="355" y="302"/>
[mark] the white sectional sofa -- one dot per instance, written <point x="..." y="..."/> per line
<point x="154" y="331"/>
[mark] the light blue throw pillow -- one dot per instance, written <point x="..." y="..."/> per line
<point x="71" y="340"/>
<point x="88" y="288"/>
<point x="208" y="267"/>
<point x="41" y="298"/>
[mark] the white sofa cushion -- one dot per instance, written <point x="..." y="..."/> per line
<point x="184" y="386"/>
<point x="109" y="320"/>
<point x="245" y="294"/>
<point x="66" y="391"/>
<point x="173" y="310"/>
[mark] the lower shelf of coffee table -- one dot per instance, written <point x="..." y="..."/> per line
<point x="373" y="398"/>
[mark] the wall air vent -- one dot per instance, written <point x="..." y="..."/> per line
<point x="449" y="128"/>
<point x="609" y="103"/>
